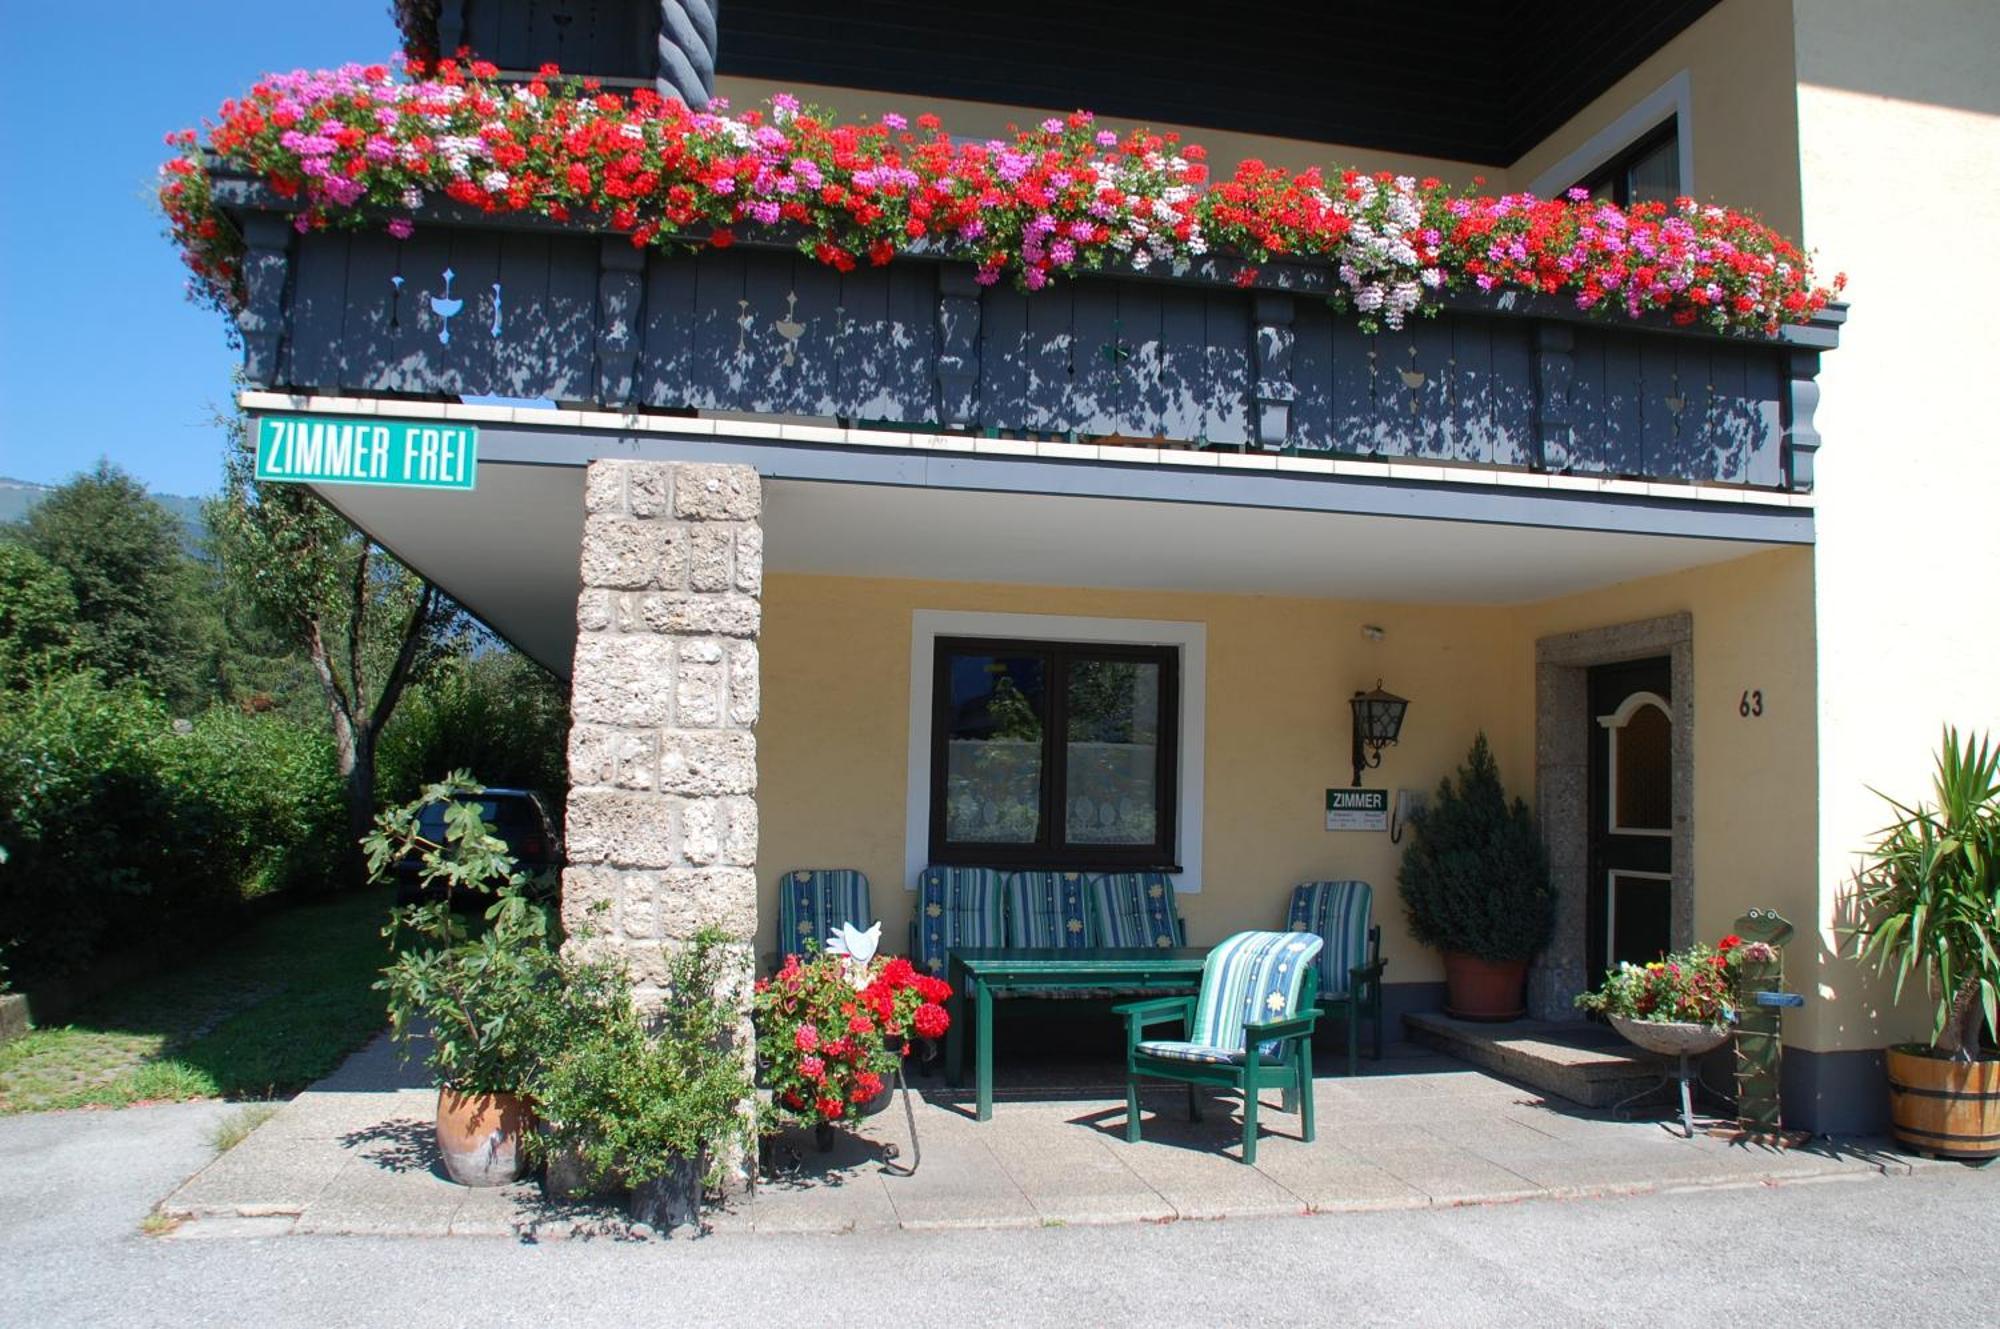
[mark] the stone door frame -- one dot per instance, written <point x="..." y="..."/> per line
<point x="1562" y="770"/>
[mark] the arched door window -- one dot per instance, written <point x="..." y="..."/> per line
<point x="1639" y="774"/>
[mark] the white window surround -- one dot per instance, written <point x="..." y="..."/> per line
<point x="1614" y="722"/>
<point x="1674" y="98"/>
<point x="927" y="625"/>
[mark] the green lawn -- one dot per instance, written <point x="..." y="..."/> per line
<point x="267" y="1013"/>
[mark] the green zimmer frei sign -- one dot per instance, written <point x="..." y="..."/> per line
<point x="366" y="450"/>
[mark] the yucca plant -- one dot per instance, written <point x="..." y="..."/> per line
<point x="1929" y="897"/>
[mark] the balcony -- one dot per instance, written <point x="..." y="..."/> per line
<point x="521" y="308"/>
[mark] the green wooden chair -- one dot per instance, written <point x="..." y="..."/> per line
<point x="1249" y="1029"/>
<point x="1351" y="963"/>
<point x="813" y="902"/>
<point x="1134" y="909"/>
<point x="956" y="907"/>
<point x="1047" y="909"/>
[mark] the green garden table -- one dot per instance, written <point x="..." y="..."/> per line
<point x="979" y="974"/>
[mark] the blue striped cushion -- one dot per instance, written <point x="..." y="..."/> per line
<point x="1133" y="909"/>
<point x="1338" y="913"/>
<point x="1176" y="1050"/>
<point x="813" y="902"/>
<point x="957" y="907"/>
<point x="1047" y="909"/>
<point x="1251" y="978"/>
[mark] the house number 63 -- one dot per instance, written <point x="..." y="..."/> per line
<point x="1752" y="704"/>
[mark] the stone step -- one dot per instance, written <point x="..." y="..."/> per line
<point x="1588" y="1064"/>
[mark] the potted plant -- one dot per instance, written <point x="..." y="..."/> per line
<point x="831" y="1029"/>
<point x="475" y="996"/>
<point x="1928" y="905"/>
<point x="1678" y="1005"/>
<point x="1475" y="884"/>
<point x="648" y="1099"/>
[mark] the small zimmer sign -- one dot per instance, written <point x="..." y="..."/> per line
<point x="366" y="450"/>
<point x="1357" y="809"/>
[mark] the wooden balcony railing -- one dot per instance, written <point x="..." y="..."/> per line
<point x="508" y="308"/>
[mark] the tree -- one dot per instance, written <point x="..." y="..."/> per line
<point x="366" y="624"/>
<point x="495" y="712"/>
<point x="37" y="617"/>
<point x="142" y="611"/>
<point x="1475" y="877"/>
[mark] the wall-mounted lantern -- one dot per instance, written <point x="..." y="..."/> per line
<point x="1378" y="720"/>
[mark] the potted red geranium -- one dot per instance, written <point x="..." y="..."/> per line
<point x="832" y="1028"/>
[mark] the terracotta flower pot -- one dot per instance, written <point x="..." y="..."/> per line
<point x="1947" y="1108"/>
<point x="479" y="1136"/>
<point x="1477" y="989"/>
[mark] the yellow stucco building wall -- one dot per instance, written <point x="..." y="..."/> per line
<point x="1742" y="119"/>
<point x="1868" y="131"/>
<point x="833" y="741"/>
<point x="1899" y="124"/>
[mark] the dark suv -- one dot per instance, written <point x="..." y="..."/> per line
<point x="517" y="816"/>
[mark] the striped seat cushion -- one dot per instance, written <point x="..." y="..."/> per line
<point x="1175" y="1050"/>
<point x="813" y="902"/>
<point x="1251" y="978"/>
<point x="1047" y="909"/>
<point x="1338" y="913"/>
<point x="957" y="907"/>
<point x="1133" y="909"/>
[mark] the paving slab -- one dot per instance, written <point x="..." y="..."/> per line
<point x="1452" y="1175"/>
<point x="1073" y="1176"/>
<point x="357" y="1154"/>
<point x="318" y="1115"/>
<point x="369" y="1200"/>
<point x="813" y="1190"/>
<point x="1330" y="1179"/>
<point x="857" y="1204"/>
<point x="261" y="1176"/>
<point x="233" y="1228"/>
<point x="1375" y="1135"/>
<point x="1197" y="1166"/>
<point x="1476" y="1130"/>
<point x="972" y="1189"/>
<point x="496" y="1211"/>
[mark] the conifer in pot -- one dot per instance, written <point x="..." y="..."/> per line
<point x="1475" y="884"/>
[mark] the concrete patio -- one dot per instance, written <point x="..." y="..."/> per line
<point x="1417" y="1129"/>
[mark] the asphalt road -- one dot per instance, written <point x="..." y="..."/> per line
<point x="1916" y="1250"/>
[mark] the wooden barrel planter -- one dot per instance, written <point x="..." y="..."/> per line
<point x="1947" y="1108"/>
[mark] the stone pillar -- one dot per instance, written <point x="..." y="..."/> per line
<point x="662" y="833"/>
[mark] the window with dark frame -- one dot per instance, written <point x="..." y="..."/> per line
<point x="1054" y="754"/>
<point x="1647" y="172"/>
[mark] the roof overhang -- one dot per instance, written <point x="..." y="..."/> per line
<point x="945" y="507"/>
<point x="1478" y="81"/>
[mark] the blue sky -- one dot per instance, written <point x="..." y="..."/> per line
<point x="100" y="352"/>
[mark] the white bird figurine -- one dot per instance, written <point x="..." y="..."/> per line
<point x="859" y="949"/>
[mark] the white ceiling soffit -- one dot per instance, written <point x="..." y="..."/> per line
<point x="960" y="535"/>
<point x="508" y="549"/>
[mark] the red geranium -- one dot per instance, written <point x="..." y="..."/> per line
<point x="813" y="1072"/>
<point x="360" y="147"/>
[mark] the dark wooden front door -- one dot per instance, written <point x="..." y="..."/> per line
<point x="1631" y="814"/>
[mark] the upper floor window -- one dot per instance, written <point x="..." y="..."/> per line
<point x="1647" y="172"/>
<point x="1053" y="754"/>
